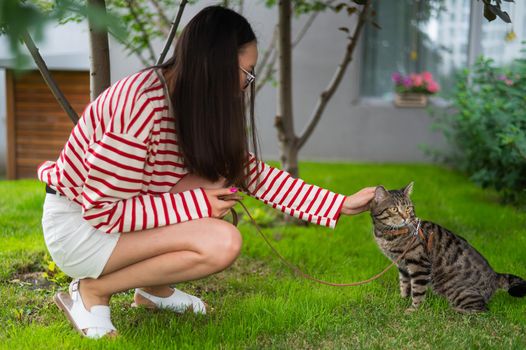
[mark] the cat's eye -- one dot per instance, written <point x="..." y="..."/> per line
<point x="393" y="210"/>
<point x="408" y="209"/>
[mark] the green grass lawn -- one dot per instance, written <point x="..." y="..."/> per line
<point x="258" y="303"/>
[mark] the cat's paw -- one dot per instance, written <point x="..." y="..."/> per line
<point x="471" y="311"/>
<point x="410" y="310"/>
<point x="405" y="290"/>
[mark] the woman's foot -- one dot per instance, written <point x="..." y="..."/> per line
<point x="168" y="298"/>
<point x="92" y="319"/>
<point x="162" y="292"/>
<point x="89" y="295"/>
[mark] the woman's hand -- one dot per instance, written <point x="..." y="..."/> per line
<point x="358" y="202"/>
<point x="220" y="207"/>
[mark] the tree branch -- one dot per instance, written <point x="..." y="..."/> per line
<point x="271" y="47"/>
<point x="129" y="46"/>
<point x="326" y="95"/>
<point x="268" y="67"/>
<point x="269" y="71"/>
<point x="307" y="25"/>
<point x="131" y="7"/>
<point x="162" y="15"/>
<point x="51" y="83"/>
<point x="173" y="32"/>
<point x="137" y="52"/>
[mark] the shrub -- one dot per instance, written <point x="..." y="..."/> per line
<point x="487" y="127"/>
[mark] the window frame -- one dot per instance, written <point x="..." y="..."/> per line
<point x="476" y="11"/>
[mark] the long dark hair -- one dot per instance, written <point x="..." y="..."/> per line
<point x="210" y="108"/>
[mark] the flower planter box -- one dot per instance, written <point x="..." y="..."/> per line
<point x="410" y="100"/>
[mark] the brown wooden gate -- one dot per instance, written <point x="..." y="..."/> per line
<point x="37" y="127"/>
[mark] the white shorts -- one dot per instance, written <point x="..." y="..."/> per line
<point x="78" y="248"/>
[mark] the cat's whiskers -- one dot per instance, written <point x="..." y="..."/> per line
<point x="414" y="228"/>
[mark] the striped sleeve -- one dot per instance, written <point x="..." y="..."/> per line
<point x="114" y="199"/>
<point x="293" y="196"/>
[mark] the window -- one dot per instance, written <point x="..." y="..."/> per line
<point x="434" y="36"/>
<point x="502" y="41"/>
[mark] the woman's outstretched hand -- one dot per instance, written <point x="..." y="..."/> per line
<point x="358" y="202"/>
<point x="221" y="200"/>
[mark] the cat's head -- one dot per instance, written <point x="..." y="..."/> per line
<point x="393" y="208"/>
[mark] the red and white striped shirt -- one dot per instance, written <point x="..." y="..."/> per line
<point x="122" y="159"/>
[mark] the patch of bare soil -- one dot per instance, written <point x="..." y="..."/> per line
<point x="31" y="280"/>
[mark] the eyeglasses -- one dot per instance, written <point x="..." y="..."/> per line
<point x="250" y="78"/>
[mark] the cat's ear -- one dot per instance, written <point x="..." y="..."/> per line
<point x="408" y="189"/>
<point x="380" y="193"/>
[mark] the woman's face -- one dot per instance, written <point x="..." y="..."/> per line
<point x="248" y="57"/>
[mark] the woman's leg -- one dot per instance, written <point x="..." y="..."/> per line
<point x="164" y="255"/>
<point x="189" y="181"/>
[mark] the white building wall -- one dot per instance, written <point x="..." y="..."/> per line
<point x="351" y="129"/>
<point x="64" y="47"/>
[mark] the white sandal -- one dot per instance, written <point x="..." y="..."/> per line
<point x="97" y="321"/>
<point x="179" y="301"/>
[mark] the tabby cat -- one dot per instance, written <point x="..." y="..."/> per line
<point x="437" y="258"/>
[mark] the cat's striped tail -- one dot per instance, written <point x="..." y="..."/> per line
<point x="515" y="285"/>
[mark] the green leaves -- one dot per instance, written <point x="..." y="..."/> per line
<point x="302" y="7"/>
<point x="17" y="17"/>
<point x="347" y="6"/>
<point x="488" y="127"/>
<point x="54" y="274"/>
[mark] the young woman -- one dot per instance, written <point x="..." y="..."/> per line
<point x="136" y="198"/>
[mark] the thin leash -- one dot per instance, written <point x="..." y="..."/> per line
<point x="417" y="232"/>
<point x="290" y="265"/>
<point x="293" y="267"/>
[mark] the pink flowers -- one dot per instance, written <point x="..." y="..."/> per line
<point x="505" y="79"/>
<point x="415" y="82"/>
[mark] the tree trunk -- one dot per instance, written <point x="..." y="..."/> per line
<point x="290" y="144"/>
<point x="284" y="121"/>
<point x="100" y="77"/>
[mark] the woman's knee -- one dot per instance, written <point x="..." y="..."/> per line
<point x="226" y="246"/>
